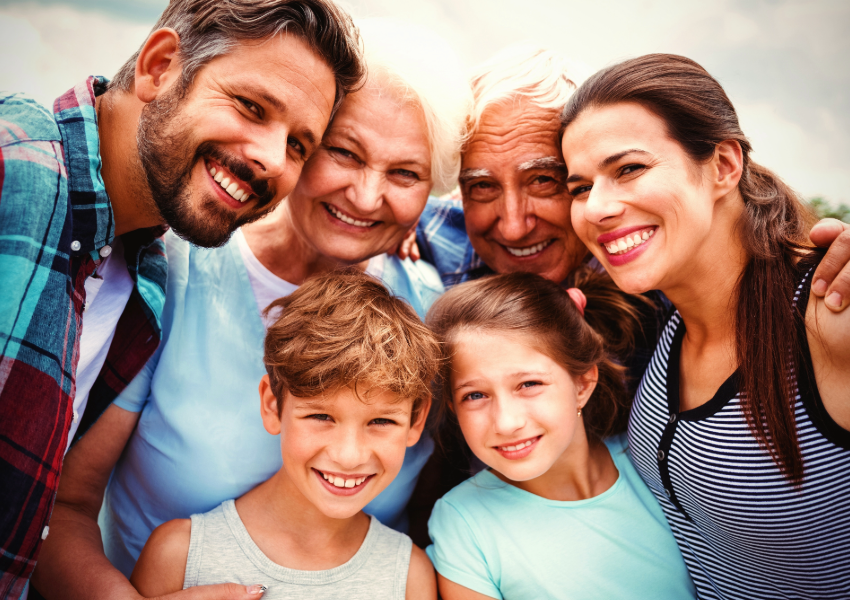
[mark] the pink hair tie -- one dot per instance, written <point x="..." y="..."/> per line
<point x="579" y="298"/>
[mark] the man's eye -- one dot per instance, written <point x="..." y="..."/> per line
<point x="298" y="146"/>
<point x="542" y="179"/>
<point x="482" y="191"/>
<point x="250" y="106"/>
<point x="342" y="152"/>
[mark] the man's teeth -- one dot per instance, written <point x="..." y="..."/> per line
<point x="528" y="251"/>
<point x="628" y="242"/>
<point x="231" y="187"/>
<point x="525" y="444"/>
<point x="349" y="220"/>
<point x="341" y="482"/>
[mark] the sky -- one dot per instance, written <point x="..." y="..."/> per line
<point x="785" y="64"/>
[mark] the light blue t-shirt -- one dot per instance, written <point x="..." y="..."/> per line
<point x="503" y="542"/>
<point x="200" y="439"/>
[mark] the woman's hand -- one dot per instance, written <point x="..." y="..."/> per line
<point x="831" y="280"/>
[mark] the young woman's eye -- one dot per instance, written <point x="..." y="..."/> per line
<point x="250" y="106"/>
<point x="579" y="190"/>
<point x="629" y="169"/>
<point x="298" y="146"/>
<point x="383" y="422"/>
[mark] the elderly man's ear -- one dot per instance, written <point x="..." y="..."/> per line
<point x="831" y="280"/>
<point x="157" y="67"/>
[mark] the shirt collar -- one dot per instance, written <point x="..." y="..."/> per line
<point x="93" y="225"/>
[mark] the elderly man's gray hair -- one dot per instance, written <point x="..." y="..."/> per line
<point x="542" y="77"/>
<point x="211" y="28"/>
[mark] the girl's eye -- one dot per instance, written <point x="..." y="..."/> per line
<point x="298" y="146"/>
<point x="472" y="396"/>
<point x="528" y="384"/>
<point x="250" y="106"/>
<point x="383" y="422"/>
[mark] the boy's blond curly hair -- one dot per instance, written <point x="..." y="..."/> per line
<point x="345" y="329"/>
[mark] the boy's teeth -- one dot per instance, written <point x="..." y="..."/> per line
<point x="349" y="220"/>
<point x="628" y="241"/>
<point x="231" y="187"/>
<point x="528" y="251"/>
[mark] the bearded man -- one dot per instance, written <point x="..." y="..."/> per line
<point x="206" y="128"/>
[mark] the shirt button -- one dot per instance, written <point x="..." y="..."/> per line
<point x="660" y="455"/>
<point x="76" y="416"/>
<point x="672" y="419"/>
<point x="666" y="491"/>
<point x="105" y="251"/>
<point x="44" y="532"/>
<point x="75" y="245"/>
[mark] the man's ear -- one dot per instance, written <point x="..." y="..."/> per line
<point x="269" y="407"/>
<point x="585" y="384"/>
<point x="727" y="167"/>
<point x="418" y="425"/>
<point x="157" y="67"/>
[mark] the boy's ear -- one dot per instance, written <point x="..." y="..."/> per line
<point x="418" y="425"/>
<point x="269" y="407"/>
<point x="585" y="384"/>
<point x="157" y="67"/>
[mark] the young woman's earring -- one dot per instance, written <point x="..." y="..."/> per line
<point x="579" y="411"/>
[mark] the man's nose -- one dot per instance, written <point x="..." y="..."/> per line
<point x="603" y="203"/>
<point x="267" y="152"/>
<point x="348" y="450"/>
<point x="516" y="219"/>
<point x="366" y="191"/>
<point x="508" y="416"/>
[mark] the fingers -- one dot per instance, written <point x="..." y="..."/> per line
<point x="408" y="247"/>
<point x="221" y="591"/>
<point x="831" y="279"/>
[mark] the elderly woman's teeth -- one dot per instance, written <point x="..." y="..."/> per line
<point x="628" y="242"/>
<point x="529" y="250"/>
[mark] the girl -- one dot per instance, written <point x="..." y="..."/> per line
<point x="561" y="511"/>
<point x="741" y="426"/>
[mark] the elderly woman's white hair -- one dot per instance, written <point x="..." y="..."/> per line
<point x="542" y="77"/>
<point x="417" y="65"/>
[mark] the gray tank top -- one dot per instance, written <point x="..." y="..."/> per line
<point x="220" y="550"/>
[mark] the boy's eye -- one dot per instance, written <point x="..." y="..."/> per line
<point x="382" y="422"/>
<point x="321" y="417"/>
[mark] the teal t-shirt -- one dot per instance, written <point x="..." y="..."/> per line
<point x="504" y="542"/>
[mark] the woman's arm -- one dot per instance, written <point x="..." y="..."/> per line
<point x="449" y="590"/>
<point x="161" y="567"/>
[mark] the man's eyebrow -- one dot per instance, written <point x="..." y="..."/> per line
<point x="470" y="174"/>
<point x="547" y="162"/>
<point x="279" y="106"/>
<point x="605" y="162"/>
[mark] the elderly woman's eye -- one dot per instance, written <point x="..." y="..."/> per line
<point x="406" y="173"/>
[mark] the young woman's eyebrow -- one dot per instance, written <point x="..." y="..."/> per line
<point x="605" y="162"/>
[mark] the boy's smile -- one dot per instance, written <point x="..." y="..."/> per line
<point x="340" y="450"/>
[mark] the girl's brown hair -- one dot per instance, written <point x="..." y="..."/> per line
<point x="540" y="310"/>
<point x="773" y="230"/>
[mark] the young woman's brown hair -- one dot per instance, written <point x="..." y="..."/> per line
<point x="773" y="230"/>
<point x="540" y="310"/>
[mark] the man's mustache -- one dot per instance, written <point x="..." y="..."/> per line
<point x="260" y="187"/>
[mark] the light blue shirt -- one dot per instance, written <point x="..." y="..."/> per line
<point x="504" y="542"/>
<point x="200" y="439"/>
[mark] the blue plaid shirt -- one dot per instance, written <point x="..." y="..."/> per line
<point x="56" y="223"/>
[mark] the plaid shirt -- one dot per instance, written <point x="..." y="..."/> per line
<point x="56" y="223"/>
<point x="443" y="242"/>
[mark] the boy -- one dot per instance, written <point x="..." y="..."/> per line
<point x="348" y="389"/>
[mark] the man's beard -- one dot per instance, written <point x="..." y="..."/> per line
<point x="165" y="150"/>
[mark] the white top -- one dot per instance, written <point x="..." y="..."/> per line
<point x="268" y="287"/>
<point x="107" y="292"/>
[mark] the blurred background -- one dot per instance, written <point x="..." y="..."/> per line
<point x="784" y="63"/>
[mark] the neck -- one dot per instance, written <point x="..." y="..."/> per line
<point x="285" y="251"/>
<point x="583" y="471"/>
<point x="292" y="532"/>
<point x="133" y="207"/>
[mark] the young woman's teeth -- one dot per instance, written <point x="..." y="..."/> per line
<point x="626" y="243"/>
<point x="525" y="444"/>
<point x="349" y="220"/>
<point x="231" y="187"/>
<point x="528" y="251"/>
<point x="343" y="483"/>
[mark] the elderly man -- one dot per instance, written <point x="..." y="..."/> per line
<point x="515" y="210"/>
<point x="203" y="130"/>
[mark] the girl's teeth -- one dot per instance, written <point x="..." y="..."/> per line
<point x="341" y="482"/>
<point x="518" y="446"/>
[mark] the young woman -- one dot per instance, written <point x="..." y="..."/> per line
<point x="561" y="511"/>
<point x="740" y="426"/>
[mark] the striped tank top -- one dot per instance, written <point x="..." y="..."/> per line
<point x="744" y="531"/>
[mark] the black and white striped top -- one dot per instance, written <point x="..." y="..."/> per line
<point x="744" y="531"/>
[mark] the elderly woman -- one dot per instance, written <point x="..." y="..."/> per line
<point x="388" y="146"/>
